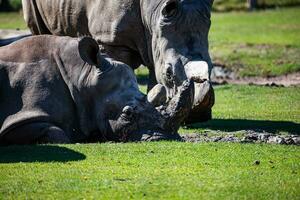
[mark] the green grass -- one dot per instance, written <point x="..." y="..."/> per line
<point x="12" y="20"/>
<point x="240" y="107"/>
<point x="164" y="170"/>
<point x="228" y="5"/>
<point x="264" y="43"/>
<point x="257" y="103"/>
<point x="270" y="109"/>
<point x="170" y="170"/>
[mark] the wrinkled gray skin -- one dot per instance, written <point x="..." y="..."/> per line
<point x="62" y="90"/>
<point x="170" y="37"/>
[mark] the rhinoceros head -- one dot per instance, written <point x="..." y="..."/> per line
<point x="120" y="110"/>
<point x="178" y="41"/>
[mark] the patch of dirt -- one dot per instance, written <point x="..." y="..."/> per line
<point x="246" y="136"/>
<point x="221" y="75"/>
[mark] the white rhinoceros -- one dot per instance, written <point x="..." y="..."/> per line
<point x="61" y="90"/>
<point x="170" y="37"/>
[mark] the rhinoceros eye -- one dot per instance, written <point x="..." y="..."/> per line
<point x="170" y="10"/>
<point x="128" y="112"/>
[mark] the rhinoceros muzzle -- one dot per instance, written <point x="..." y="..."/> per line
<point x="203" y="94"/>
<point x="172" y="113"/>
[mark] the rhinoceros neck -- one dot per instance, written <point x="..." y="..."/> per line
<point x="117" y="25"/>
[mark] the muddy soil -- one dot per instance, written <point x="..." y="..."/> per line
<point x="221" y="75"/>
<point x="243" y="136"/>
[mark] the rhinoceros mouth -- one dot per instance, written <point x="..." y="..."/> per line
<point x="150" y="136"/>
<point x="158" y="136"/>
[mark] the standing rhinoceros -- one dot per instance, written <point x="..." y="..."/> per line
<point x="60" y="89"/>
<point x="170" y="37"/>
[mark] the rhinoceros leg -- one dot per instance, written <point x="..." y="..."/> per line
<point x="33" y="18"/>
<point x="152" y="80"/>
<point x="39" y="132"/>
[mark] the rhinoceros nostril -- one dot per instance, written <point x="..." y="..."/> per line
<point x="198" y="79"/>
<point x="169" y="74"/>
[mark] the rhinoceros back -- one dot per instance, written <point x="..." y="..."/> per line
<point x="115" y="24"/>
<point x="57" y="17"/>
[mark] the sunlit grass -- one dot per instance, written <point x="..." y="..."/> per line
<point x="261" y="43"/>
<point x="163" y="170"/>
<point x="271" y="109"/>
<point x="240" y="107"/>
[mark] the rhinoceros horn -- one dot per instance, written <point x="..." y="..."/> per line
<point x="171" y="114"/>
<point x="176" y="110"/>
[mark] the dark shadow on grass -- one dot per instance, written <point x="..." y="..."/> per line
<point x="38" y="153"/>
<point x="229" y="125"/>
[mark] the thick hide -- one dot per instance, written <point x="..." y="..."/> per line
<point x="62" y="90"/>
<point x="167" y="36"/>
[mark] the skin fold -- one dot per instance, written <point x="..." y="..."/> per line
<point x="62" y="90"/>
<point x="170" y="37"/>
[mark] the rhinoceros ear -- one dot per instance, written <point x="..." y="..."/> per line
<point x="88" y="50"/>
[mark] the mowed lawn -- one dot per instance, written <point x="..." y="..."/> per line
<point x="262" y="43"/>
<point x="270" y="109"/>
<point x="170" y="170"/>
<point x="162" y="170"/>
<point x="238" y="107"/>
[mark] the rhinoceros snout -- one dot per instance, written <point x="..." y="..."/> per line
<point x="204" y="100"/>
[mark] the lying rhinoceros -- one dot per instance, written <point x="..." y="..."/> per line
<point x="61" y="90"/>
<point x="170" y="37"/>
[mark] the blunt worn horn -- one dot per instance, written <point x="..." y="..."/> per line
<point x="178" y="108"/>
